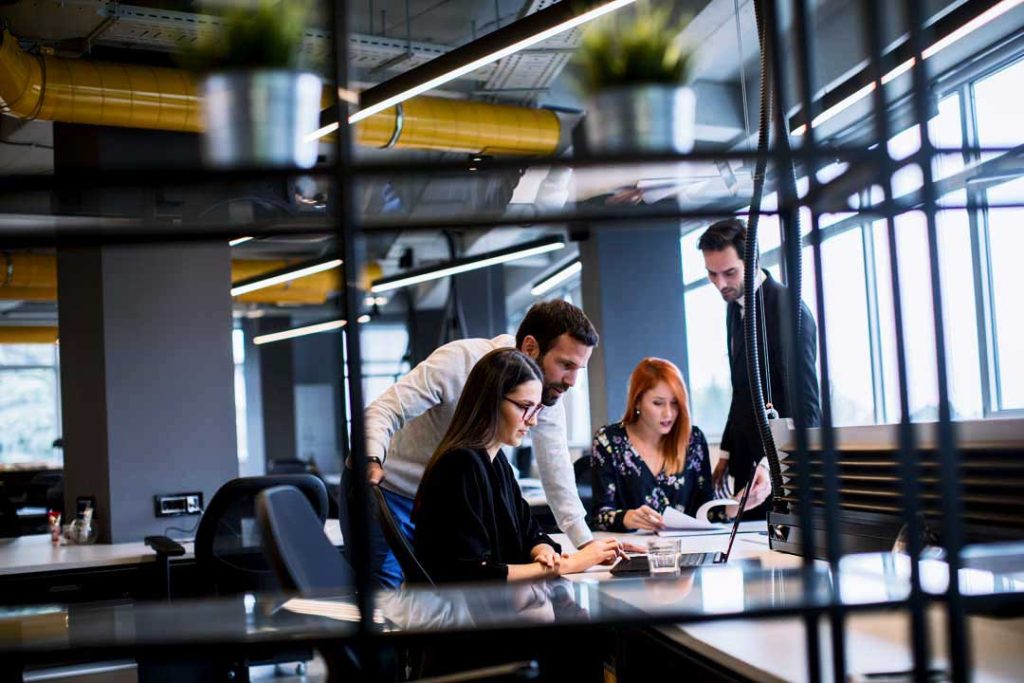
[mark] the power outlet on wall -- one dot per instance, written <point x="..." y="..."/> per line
<point x="178" y="504"/>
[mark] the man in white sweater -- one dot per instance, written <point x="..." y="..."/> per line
<point x="405" y="424"/>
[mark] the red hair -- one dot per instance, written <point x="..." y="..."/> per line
<point x="646" y="375"/>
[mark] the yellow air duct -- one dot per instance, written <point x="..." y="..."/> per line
<point x="33" y="277"/>
<point x="28" y="335"/>
<point x="82" y="91"/>
<point x="135" y="96"/>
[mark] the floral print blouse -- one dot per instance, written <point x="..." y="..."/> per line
<point x="622" y="480"/>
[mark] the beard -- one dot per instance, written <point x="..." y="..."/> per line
<point x="552" y="392"/>
<point x="731" y="294"/>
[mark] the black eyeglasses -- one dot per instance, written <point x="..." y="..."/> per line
<point x="529" y="411"/>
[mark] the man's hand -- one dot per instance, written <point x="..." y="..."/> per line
<point x="759" y="490"/>
<point x="374" y="473"/>
<point x="601" y="551"/>
<point x="643" y="517"/>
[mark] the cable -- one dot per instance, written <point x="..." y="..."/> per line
<point x="34" y="145"/>
<point x="750" y="322"/>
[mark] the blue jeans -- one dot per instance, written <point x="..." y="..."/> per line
<point x="385" y="565"/>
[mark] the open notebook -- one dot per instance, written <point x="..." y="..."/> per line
<point x="678" y="523"/>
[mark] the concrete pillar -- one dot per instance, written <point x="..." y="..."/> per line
<point x="277" y="391"/>
<point x="632" y="283"/>
<point x="146" y="379"/>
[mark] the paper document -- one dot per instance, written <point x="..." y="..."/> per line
<point x="677" y="520"/>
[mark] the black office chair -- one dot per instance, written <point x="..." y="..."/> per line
<point x="294" y="543"/>
<point x="228" y="547"/>
<point x="411" y="567"/>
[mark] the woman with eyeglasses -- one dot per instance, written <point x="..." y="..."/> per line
<point x="472" y="523"/>
<point x="655" y="458"/>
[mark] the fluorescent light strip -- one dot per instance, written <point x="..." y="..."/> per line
<point x="557" y="278"/>
<point x="285" y="277"/>
<point x="238" y="240"/>
<point x="438" y="81"/>
<point x="299" y="332"/>
<point x="363" y="319"/>
<point x="465" y="267"/>
<point x="974" y="24"/>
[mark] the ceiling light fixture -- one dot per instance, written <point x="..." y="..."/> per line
<point x="299" y="332"/>
<point x="283" y="275"/>
<point x="519" y="35"/>
<point x="490" y="258"/>
<point x="963" y="31"/>
<point x="238" y="240"/>
<point x="546" y="284"/>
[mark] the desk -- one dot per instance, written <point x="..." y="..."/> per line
<point x="773" y="651"/>
<point x="34" y="570"/>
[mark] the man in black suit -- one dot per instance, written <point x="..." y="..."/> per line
<point x="722" y="245"/>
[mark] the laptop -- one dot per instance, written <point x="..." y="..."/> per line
<point x="638" y="564"/>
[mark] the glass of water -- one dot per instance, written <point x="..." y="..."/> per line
<point x="663" y="555"/>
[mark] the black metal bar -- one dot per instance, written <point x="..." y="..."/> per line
<point x="909" y="470"/>
<point x="942" y="27"/>
<point x="952" y="524"/>
<point x="488" y="44"/>
<point x="830" y="470"/>
<point x="347" y="237"/>
<point x="789" y="217"/>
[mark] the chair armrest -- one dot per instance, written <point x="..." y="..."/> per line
<point x="165" y="546"/>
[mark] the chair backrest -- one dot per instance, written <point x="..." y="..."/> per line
<point x="296" y="546"/>
<point x="229" y="549"/>
<point x="412" y="569"/>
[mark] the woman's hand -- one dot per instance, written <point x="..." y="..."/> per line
<point x="600" y="551"/>
<point x="546" y="556"/>
<point x="643" y="517"/>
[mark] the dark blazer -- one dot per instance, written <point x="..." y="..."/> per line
<point x="740" y="437"/>
<point x="471" y="519"/>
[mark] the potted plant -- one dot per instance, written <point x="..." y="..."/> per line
<point x="259" y="104"/>
<point x="631" y="70"/>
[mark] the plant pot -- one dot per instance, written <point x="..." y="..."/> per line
<point x="644" y="118"/>
<point x="260" y="117"/>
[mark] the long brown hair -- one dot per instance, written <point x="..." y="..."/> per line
<point x="475" y="422"/>
<point x="646" y="375"/>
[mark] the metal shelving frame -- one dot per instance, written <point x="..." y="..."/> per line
<point x="349" y="230"/>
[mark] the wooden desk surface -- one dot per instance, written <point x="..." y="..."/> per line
<point x="35" y="554"/>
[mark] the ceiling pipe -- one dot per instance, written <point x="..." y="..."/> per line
<point x="16" y="334"/>
<point x="33" y="277"/>
<point x="137" y="96"/>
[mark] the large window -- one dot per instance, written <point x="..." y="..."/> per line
<point x="29" y="404"/>
<point x="979" y="246"/>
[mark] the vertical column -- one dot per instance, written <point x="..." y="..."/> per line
<point x="482" y="293"/>
<point x="146" y="379"/>
<point x="277" y="392"/>
<point x="633" y="293"/>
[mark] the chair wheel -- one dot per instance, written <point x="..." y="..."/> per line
<point x="300" y="669"/>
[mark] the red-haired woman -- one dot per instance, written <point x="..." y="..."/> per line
<point x="654" y="458"/>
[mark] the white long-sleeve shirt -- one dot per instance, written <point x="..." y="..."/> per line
<point x="406" y="423"/>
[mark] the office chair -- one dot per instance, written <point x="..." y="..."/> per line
<point x="229" y="556"/>
<point x="306" y="562"/>
<point x="296" y="547"/>
<point x="228" y="546"/>
<point x="412" y="569"/>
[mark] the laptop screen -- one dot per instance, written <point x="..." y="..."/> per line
<point x="739" y="515"/>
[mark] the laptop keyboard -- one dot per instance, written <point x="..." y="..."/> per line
<point x="697" y="559"/>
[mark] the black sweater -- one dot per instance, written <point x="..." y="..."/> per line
<point x="471" y="519"/>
